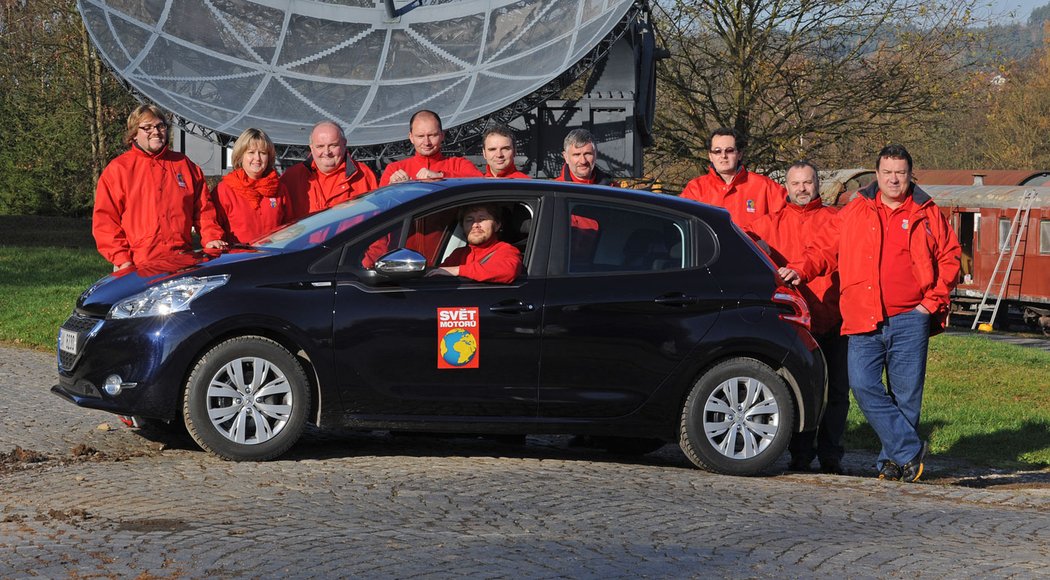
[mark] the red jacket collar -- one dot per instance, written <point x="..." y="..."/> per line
<point x="510" y="170"/>
<point x="350" y="166"/>
<point x="429" y="158"/>
<point x="741" y="176"/>
<point x="920" y="197"/>
<point x="814" y="205"/>
<point x="488" y="243"/>
<point x="143" y="153"/>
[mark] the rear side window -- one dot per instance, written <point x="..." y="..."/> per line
<point x="607" y="238"/>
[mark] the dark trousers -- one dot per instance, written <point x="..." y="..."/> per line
<point x="826" y="441"/>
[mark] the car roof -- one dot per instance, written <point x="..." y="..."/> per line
<point x="707" y="212"/>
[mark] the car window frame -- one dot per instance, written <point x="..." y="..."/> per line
<point x="533" y="258"/>
<point x="560" y="236"/>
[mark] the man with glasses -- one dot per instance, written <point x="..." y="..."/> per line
<point x="149" y="199"/>
<point x="727" y="184"/>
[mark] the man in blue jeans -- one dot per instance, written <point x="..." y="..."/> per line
<point x="898" y="259"/>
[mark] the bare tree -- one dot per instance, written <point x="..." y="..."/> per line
<point x="803" y="78"/>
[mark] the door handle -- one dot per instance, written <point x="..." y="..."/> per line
<point x="512" y="307"/>
<point x="678" y="299"/>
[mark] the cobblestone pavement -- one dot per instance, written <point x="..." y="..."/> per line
<point x="111" y="503"/>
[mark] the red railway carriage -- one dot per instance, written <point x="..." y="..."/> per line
<point x="982" y="217"/>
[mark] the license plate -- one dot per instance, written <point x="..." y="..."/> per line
<point x="67" y="341"/>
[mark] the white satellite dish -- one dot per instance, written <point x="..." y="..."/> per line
<point x="283" y="65"/>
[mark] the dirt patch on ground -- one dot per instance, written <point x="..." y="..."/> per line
<point x="21" y="456"/>
<point x="19" y="459"/>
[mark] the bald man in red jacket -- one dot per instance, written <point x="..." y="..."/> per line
<point x="427" y="135"/>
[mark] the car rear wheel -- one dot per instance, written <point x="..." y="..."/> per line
<point x="738" y="418"/>
<point x="246" y="399"/>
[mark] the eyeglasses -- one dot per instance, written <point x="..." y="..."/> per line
<point x="160" y="127"/>
<point x="727" y="151"/>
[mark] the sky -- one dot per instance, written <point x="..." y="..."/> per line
<point x="1020" y="8"/>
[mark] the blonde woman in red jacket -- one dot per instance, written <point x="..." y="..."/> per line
<point x="250" y="200"/>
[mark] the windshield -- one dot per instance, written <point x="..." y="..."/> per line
<point x="317" y="228"/>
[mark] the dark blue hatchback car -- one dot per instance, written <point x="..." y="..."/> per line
<point x="639" y="319"/>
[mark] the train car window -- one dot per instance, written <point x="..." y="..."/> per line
<point x="1004" y="235"/>
<point x="1044" y="237"/>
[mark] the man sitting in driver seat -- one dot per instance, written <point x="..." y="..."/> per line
<point x="484" y="258"/>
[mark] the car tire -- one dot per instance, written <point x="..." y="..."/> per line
<point x="738" y="418"/>
<point x="239" y="412"/>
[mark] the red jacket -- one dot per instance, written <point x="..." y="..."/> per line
<point x="306" y="191"/>
<point x="852" y="242"/>
<point x="748" y="196"/>
<point x="146" y="206"/>
<point x="448" y="166"/>
<point x="787" y="233"/>
<point x="511" y="172"/>
<point x="240" y="218"/>
<point x="493" y="261"/>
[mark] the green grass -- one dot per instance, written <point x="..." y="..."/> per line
<point x="45" y="263"/>
<point x="986" y="402"/>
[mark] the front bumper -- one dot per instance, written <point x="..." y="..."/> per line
<point x="154" y="353"/>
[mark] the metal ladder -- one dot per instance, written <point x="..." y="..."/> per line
<point x="1013" y="240"/>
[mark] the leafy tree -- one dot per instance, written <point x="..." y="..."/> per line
<point x="1018" y="117"/>
<point x="1038" y="16"/>
<point x="824" y="79"/>
<point x="60" y="111"/>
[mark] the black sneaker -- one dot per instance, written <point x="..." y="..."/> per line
<point x="912" y="470"/>
<point x="890" y="471"/>
<point x="800" y="464"/>
<point x="832" y="466"/>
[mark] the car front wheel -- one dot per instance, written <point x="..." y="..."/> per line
<point x="246" y="399"/>
<point x="738" y="418"/>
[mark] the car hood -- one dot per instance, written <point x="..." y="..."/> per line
<point x="97" y="300"/>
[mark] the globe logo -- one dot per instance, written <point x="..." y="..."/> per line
<point x="458" y="347"/>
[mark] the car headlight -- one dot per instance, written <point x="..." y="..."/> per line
<point x="166" y="298"/>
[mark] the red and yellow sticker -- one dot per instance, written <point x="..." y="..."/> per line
<point x="458" y="337"/>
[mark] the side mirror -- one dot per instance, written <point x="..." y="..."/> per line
<point x="401" y="263"/>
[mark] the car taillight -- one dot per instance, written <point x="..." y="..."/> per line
<point x="790" y="297"/>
